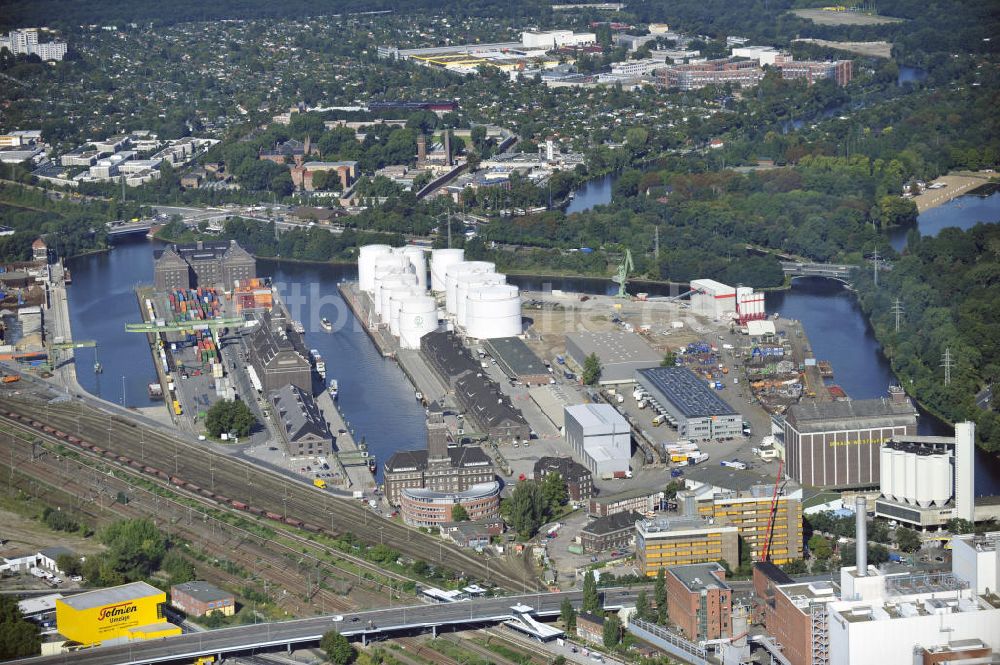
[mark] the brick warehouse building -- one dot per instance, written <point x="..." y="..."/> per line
<point x="579" y="480"/>
<point x="699" y="601"/>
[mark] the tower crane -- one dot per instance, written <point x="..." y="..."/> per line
<point x="766" y="553"/>
<point x="624" y="268"/>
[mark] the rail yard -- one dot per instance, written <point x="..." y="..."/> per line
<point x="233" y="487"/>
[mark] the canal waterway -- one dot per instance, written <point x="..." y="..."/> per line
<point x="375" y="397"/>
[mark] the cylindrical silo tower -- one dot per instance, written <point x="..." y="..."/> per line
<point x="440" y="260"/>
<point x="451" y="280"/>
<point x="910" y="464"/>
<point x="366" y="265"/>
<point x="885" y="472"/>
<point x="942" y="484"/>
<point x="417" y="317"/>
<point x="468" y="282"/>
<point x="387" y="267"/>
<point x="396" y="300"/>
<point x="899" y="475"/>
<point x="925" y="481"/>
<point x="494" y="311"/>
<point x="416" y="256"/>
<point x="406" y="285"/>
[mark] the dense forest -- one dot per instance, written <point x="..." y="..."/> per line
<point x="949" y="290"/>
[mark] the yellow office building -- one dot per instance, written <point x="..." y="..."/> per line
<point x="750" y="512"/>
<point x="662" y="542"/>
<point x="117" y="614"/>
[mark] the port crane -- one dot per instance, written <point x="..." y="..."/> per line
<point x="624" y="268"/>
<point x="766" y="553"/>
<point x="184" y="326"/>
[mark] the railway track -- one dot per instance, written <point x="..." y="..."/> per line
<point x="232" y="483"/>
<point x="218" y="540"/>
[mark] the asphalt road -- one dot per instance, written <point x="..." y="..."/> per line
<point x="243" y="638"/>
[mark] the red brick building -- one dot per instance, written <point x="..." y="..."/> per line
<point x="699" y="601"/>
<point x="200" y="598"/>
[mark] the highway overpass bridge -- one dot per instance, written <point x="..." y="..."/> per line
<point x="361" y="626"/>
<point x="841" y="272"/>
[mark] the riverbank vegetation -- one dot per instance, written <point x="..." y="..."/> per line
<point x="949" y="290"/>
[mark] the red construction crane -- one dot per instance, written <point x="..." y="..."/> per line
<point x="766" y="554"/>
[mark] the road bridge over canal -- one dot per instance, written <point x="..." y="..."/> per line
<point x="836" y="271"/>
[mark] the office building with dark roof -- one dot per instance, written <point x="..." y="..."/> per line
<point x="516" y="360"/>
<point x="613" y="532"/>
<point x="697" y="410"/>
<point x="200" y="598"/>
<point x="275" y="360"/>
<point x="699" y="601"/>
<point x="438" y="468"/>
<point x="300" y="422"/>
<point x="203" y="263"/>
<point x="838" y="444"/>
<point x="579" y="481"/>
<point x="448" y="357"/>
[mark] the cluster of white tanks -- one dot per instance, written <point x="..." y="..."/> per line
<point x="477" y="297"/>
<point x="915" y="475"/>
<point x="396" y="280"/>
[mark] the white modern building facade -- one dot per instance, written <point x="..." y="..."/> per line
<point x="600" y="438"/>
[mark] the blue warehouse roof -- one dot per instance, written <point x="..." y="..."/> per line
<point x="686" y="392"/>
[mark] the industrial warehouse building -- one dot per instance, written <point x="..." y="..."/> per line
<point x="699" y="413"/>
<point x="516" y="360"/>
<point x="640" y="500"/>
<point x="601" y="437"/>
<point x="204" y="263"/>
<point x="275" y="361"/>
<point x="699" y="601"/>
<point x="122" y="613"/>
<point x="615" y="531"/>
<point x="837" y="444"/>
<point x="300" y="422"/>
<point x="200" y="598"/>
<point x="490" y="409"/>
<point x="621" y="353"/>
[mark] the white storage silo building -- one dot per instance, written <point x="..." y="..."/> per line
<point x="441" y="260"/>
<point x="366" y="264"/>
<point x="713" y="299"/>
<point x="466" y="283"/>
<point x="416" y="257"/>
<point x="493" y="311"/>
<point x="455" y="272"/>
<point x="417" y="317"/>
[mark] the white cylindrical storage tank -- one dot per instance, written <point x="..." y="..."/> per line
<point x="440" y="260"/>
<point x="366" y="264"/>
<point x="925" y="481"/>
<point x="899" y="474"/>
<point x="385" y="268"/>
<point x="417" y="317"/>
<point x="397" y="285"/>
<point x="416" y="257"/>
<point x="467" y="282"/>
<point x="885" y="472"/>
<point x="396" y="299"/>
<point x="494" y="311"/>
<point x="942" y="481"/>
<point x="451" y="280"/>
<point x="910" y="464"/>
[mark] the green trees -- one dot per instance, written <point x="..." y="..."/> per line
<point x="612" y="633"/>
<point x="229" y="416"/>
<point x="591" y="369"/>
<point x="135" y="548"/>
<point x="459" y="513"/>
<point x="642" y="609"/>
<point x="669" y="359"/>
<point x="525" y="509"/>
<point x="820" y="547"/>
<point x="555" y="492"/>
<point x="337" y="648"/>
<point x="660" y="596"/>
<point x="567" y="614"/>
<point x="18" y="636"/>
<point x="907" y="539"/>
<point x="591" y="597"/>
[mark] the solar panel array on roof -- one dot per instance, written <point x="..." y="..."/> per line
<point x="688" y="394"/>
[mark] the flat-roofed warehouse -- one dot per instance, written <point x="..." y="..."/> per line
<point x="699" y="412"/>
<point x="127" y="612"/>
<point x="516" y="360"/>
<point x="839" y="443"/>
<point x="621" y="353"/>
